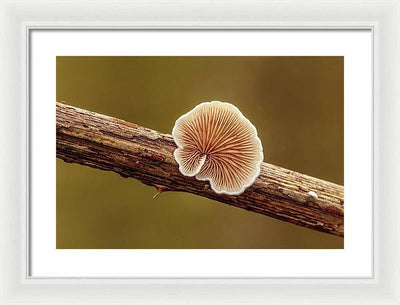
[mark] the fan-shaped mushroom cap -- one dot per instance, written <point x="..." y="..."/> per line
<point x="217" y="143"/>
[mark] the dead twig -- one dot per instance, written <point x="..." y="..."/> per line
<point x="130" y="150"/>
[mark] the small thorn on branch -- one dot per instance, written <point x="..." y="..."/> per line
<point x="160" y="189"/>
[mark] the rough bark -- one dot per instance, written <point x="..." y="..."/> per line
<point x="133" y="151"/>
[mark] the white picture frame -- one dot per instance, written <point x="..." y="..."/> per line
<point x="19" y="18"/>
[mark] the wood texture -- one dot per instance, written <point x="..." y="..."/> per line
<point x="133" y="151"/>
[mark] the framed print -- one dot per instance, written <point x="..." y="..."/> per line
<point x="150" y="157"/>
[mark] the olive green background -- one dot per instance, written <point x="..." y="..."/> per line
<point x="296" y="104"/>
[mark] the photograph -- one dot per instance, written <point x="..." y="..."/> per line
<point x="200" y="152"/>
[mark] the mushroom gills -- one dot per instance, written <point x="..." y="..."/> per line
<point x="217" y="143"/>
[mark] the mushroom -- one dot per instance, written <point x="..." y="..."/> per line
<point x="216" y="142"/>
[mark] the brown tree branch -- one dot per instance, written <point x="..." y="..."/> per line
<point x="130" y="150"/>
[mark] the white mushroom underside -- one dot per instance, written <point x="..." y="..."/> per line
<point x="217" y="143"/>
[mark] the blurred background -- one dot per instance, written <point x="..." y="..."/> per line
<point x="296" y="104"/>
